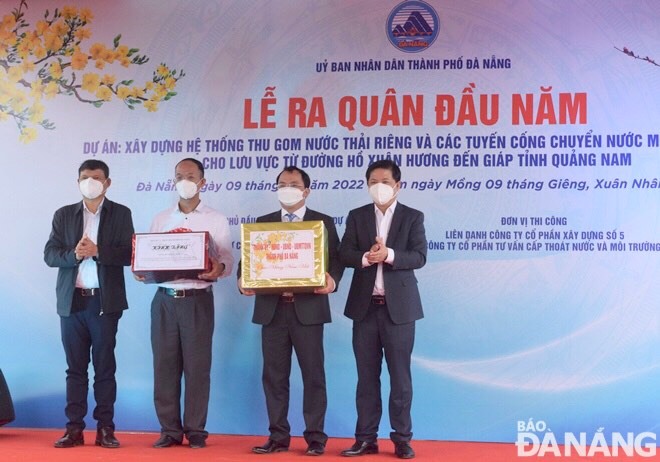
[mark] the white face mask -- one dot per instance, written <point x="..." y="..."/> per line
<point x="381" y="193"/>
<point x="91" y="188"/>
<point x="289" y="196"/>
<point x="186" y="189"/>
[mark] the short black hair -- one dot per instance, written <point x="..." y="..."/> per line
<point x="293" y="168"/>
<point x="93" y="164"/>
<point x="387" y="164"/>
<point x="200" y="166"/>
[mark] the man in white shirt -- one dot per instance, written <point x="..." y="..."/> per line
<point x="182" y="316"/>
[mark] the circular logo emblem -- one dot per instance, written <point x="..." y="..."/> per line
<point x="412" y="26"/>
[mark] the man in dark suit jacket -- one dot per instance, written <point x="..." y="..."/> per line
<point x="384" y="242"/>
<point x="90" y="243"/>
<point x="295" y="321"/>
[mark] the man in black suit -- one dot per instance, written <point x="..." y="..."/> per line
<point x="90" y="243"/>
<point x="384" y="242"/>
<point x="295" y="320"/>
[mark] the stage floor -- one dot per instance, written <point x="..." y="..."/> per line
<point x="26" y="445"/>
<point x="18" y="444"/>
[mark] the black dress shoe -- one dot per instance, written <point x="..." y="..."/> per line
<point x="105" y="437"/>
<point x="315" y="449"/>
<point x="360" y="448"/>
<point x="165" y="441"/>
<point x="404" y="451"/>
<point x="270" y="446"/>
<point x="70" y="439"/>
<point x="197" y="441"/>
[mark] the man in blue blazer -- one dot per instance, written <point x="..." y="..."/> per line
<point x="384" y="242"/>
<point x="295" y="321"/>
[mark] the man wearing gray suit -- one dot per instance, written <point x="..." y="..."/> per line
<point x="295" y="321"/>
<point x="384" y="242"/>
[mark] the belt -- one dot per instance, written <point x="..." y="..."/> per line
<point x="287" y="298"/>
<point x="181" y="293"/>
<point x="88" y="292"/>
<point x="378" y="300"/>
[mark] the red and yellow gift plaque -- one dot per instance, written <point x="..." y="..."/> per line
<point x="162" y="257"/>
<point x="284" y="257"/>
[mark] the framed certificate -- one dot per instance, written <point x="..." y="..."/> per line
<point x="284" y="257"/>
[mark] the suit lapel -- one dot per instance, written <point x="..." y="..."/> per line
<point x="274" y="217"/>
<point x="370" y="218"/>
<point x="397" y="219"/>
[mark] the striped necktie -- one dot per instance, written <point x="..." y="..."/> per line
<point x="290" y="217"/>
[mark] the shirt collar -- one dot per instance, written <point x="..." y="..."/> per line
<point x="389" y="211"/>
<point x="201" y="208"/>
<point x="98" y="210"/>
<point x="300" y="213"/>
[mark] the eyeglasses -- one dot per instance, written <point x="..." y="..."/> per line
<point x="290" y="185"/>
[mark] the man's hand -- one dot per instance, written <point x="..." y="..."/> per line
<point x="216" y="271"/>
<point x="329" y="286"/>
<point x="86" y="248"/>
<point x="378" y="252"/>
<point x="242" y="290"/>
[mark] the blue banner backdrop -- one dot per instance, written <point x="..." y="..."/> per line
<point x="527" y="131"/>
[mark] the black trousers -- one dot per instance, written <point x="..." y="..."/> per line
<point x="278" y="339"/>
<point x="181" y="340"/>
<point x="85" y="333"/>
<point x="374" y="335"/>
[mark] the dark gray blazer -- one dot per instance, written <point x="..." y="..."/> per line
<point x="114" y="247"/>
<point x="408" y="240"/>
<point x="310" y="308"/>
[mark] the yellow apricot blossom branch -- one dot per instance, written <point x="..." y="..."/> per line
<point x="50" y="60"/>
